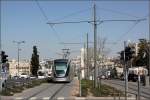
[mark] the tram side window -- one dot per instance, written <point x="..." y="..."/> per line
<point x="68" y="70"/>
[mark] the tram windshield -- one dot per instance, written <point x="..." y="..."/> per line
<point x="60" y="68"/>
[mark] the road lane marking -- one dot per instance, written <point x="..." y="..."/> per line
<point x="60" y="98"/>
<point x="33" y="98"/>
<point x="19" y="98"/>
<point x="46" y="98"/>
<point x="80" y="98"/>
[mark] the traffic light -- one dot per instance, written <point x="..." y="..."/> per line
<point x="122" y="55"/>
<point x="3" y="57"/>
<point x="128" y="53"/>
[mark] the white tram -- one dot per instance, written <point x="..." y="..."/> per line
<point x="62" y="70"/>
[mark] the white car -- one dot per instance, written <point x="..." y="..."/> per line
<point x="103" y="77"/>
<point x="32" y="77"/>
<point x="41" y="77"/>
<point x="24" y="75"/>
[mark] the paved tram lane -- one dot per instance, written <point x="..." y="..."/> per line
<point x="46" y="91"/>
<point x="66" y="91"/>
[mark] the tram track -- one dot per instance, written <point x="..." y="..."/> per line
<point x="43" y="94"/>
<point x="57" y="91"/>
<point x="40" y="91"/>
<point x="50" y="97"/>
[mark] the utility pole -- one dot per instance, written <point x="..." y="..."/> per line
<point x="84" y="62"/>
<point x="87" y="61"/>
<point x="0" y="58"/>
<point x="95" y="47"/>
<point x="149" y="43"/>
<point x="139" y="87"/>
<point x="18" y="48"/>
<point x="65" y="53"/>
<point x="126" y="73"/>
<point x="79" y="76"/>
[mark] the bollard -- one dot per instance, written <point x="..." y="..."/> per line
<point x="119" y="95"/>
<point x="114" y="94"/>
<point x="136" y="97"/>
<point x="99" y="87"/>
<point x="144" y="80"/>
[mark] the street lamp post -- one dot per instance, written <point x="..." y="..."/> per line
<point x="18" y="48"/>
<point x="126" y="73"/>
<point x="149" y="44"/>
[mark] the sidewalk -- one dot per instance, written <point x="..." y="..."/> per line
<point x="75" y="89"/>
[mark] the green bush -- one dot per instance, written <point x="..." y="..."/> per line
<point x="6" y="92"/>
<point x="29" y="85"/>
<point x="84" y="88"/>
<point x="18" y="89"/>
<point x="103" y="90"/>
<point x="36" y="82"/>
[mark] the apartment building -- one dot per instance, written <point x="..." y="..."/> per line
<point x="24" y="67"/>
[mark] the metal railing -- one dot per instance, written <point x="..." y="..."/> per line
<point x="131" y="96"/>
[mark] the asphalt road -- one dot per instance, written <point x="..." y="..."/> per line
<point x="132" y="87"/>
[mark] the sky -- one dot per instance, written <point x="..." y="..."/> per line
<point x="24" y="21"/>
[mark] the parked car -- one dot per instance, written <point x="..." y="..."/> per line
<point x="103" y="77"/>
<point x="24" y="75"/>
<point x="41" y="75"/>
<point x="15" y="77"/>
<point x="32" y="77"/>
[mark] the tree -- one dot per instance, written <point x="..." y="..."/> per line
<point x="143" y="54"/>
<point x="114" y="73"/>
<point x="129" y="54"/>
<point x="34" y="61"/>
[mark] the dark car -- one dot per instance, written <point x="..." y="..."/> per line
<point x="15" y="77"/>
